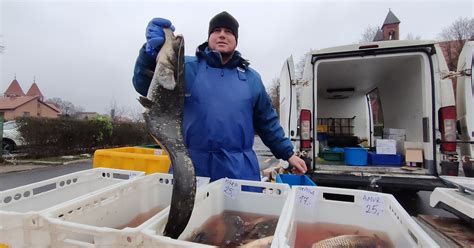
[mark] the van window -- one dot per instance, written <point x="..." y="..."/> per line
<point x="375" y="108"/>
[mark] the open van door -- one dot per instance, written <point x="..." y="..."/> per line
<point x="288" y="114"/>
<point x="465" y="107"/>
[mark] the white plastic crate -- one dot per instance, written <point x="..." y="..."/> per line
<point x="214" y="199"/>
<point x="101" y="220"/>
<point x="19" y="207"/>
<point x="370" y="210"/>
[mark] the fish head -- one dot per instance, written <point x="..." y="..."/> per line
<point x="170" y="60"/>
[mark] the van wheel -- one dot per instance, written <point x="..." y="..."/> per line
<point x="8" y="146"/>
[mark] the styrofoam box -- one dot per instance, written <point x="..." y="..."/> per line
<point x="373" y="211"/>
<point x="452" y="197"/>
<point x="93" y="221"/>
<point x="386" y="146"/>
<point x="396" y="137"/>
<point x="19" y="207"/>
<point x="396" y="131"/>
<point x="214" y="199"/>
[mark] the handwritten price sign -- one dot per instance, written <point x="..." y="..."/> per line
<point x="132" y="175"/>
<point x="231" y="188"/>
<point x="306" y="196"/>
<point x="373" y="204"/>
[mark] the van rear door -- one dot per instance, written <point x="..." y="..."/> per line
<point x="465" y="107"/>
<point x="288" y="115"/>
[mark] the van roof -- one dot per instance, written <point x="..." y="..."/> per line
<point x="381" y="45"/>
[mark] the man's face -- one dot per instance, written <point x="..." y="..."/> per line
<point x="222" y="40"/>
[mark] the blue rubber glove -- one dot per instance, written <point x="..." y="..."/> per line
<point x="155" y="37"/>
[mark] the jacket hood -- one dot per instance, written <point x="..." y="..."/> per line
<point x="214" y="59"/>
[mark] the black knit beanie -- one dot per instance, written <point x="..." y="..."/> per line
<point x="224" y="20"/>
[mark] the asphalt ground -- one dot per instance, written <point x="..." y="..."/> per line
<point x="12" y="176"/>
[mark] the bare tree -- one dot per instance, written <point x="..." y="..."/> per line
<point x="454" y="37"/>
<point x="116" y="112"/>
<point x="369" y="34"/>
<point x="411" y="36"/>
<point x="274" y="93"/>
<point x="136" y="114"/>
<point x="66" y="107"/>
<point x="461" y="29"/>
<point x="299" y="67"/>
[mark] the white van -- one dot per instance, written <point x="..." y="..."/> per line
<point x="465" y="107"/>
<point x="350" y="96"/>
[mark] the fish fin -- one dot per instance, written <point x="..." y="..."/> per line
<point x="145" y="102"/>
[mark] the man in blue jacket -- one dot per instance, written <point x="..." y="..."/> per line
<point x="226" y="103"/>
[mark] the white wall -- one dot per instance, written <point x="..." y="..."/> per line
<point x="356" y="105"/>
<point x="402" y="101"/>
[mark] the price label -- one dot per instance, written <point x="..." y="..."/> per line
<point x="306" y="196"/>
<point x="373" y="204"/>
<point x="132" y="174"/>
<point x="231" y="188"/>
<point x="158" y="152"/>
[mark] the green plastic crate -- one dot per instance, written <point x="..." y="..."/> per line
<point x="332" y="156"/>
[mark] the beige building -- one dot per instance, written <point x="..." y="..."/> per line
<point x="15" y="103"/>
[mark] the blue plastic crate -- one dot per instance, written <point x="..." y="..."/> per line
<point x="294" y="180"/>
<point x="355" y="156"/>
<point x="385" y="159"/>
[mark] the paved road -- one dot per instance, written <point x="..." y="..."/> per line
<point x="413" y="204"/>
<point x="16" y="179"/>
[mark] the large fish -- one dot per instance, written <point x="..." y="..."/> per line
<point x="351" y="241"/>
<point x="164" y="117"/>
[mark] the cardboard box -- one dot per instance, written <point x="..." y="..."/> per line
<point x="397" y="137"/>
<point x="386" y="146"/>
<point x="396" y="131"/>
<point x="414" y="157"/>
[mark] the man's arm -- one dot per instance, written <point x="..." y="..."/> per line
<point x="266" y="122"/>
<point x="146" y="61"/>
<point x="267" y="126"/>
<point x="143" y="72"/>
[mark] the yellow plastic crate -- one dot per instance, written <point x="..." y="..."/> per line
<point x="322" y="128"/>
<point x="133" y="158"/>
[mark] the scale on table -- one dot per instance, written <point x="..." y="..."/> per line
<point x="458" y="201"/>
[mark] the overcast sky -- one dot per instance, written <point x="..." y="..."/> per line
<point x="84" y="51"/>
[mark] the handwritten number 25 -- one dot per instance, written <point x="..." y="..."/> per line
<point x="371" y="209"/>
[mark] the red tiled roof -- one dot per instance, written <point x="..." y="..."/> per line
<point x="53" y="106"/>
<point x="14" y="89"/>
<point x="14" y="102"/>
<point x="34" y="91"/>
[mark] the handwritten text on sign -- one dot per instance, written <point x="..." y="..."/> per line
<point x="306" y="196"/>
<point x="132" y="175"/>
<point x="373" y="204"/>
<point x="231" y="188"/>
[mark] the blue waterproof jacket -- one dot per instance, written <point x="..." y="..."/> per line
<point x="225" y="106"/>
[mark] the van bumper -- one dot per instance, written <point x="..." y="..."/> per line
<point x="377" y="181"/>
